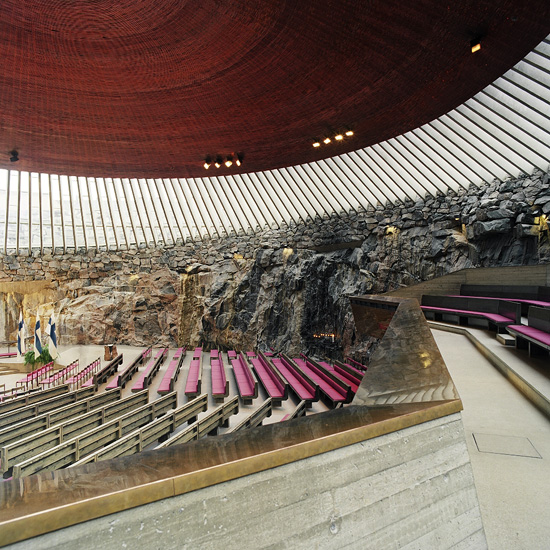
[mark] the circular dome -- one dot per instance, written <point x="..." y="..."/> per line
<point x="149" y="89"/>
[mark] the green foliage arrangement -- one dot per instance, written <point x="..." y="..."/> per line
<point x="42" y="359"/>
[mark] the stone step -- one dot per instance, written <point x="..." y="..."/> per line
<point x="506" y="339"/>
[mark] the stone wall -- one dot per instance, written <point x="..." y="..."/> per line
<point x="409" y="489"/>
<point x="278" y="287"/>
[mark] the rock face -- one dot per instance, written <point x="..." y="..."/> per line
<point x="279" y="287"/>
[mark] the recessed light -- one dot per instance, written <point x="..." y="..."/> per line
<point x="326" y="140"/>
<point x="339" y="137"/>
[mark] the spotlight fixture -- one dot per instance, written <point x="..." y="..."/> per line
<point x="14" y="156"/>
<point x="218" y="162"/>
<point x="207" y="162"/>
<point x="338" y="137"/>
<point x="326" y="141"/>
<point x="239" y="160"/>
<point x="229" y="161"/>
<point x="349" y="133"/>
<point x="316" y="143"/>
<point x="475" y="45"/>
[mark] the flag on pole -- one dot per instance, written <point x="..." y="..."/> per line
<point x="21" y="335"/>
<point x="50" y="331"/>
<point x="37" y="342"/>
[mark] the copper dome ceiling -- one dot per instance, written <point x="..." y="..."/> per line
<point x="139" y="88"/>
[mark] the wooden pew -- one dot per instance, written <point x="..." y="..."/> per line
<point x="30" y="398"/>
<point x="121" y="380"/>
<point x="194" y="377"/>
<point x="40" y="407"/>
<point x="536" y="336"/>
<point x="78" y="379"/>
<point x="158" y="430"/>
<point x="344" y="373"/>
<point x="172" y="372"/>
<point x="92" y="440"/>
<point x="105" y="373"/>
<point x="356" y="365"/>
<point x="61" y="376"/>
<point x="256" y="418"/>
<point x="34" y="377"/>
<point x="19" y="430"/>
<point x="497" y="313"/>
<point x="150" y="371"/>
<point x="270" y="378"/>
<point x="207" y="425"/>
<point x="246" y="383"/>
<point x="332" y="389"/>
<point x="298" y="381"/>
<point x="220" y="384"/>
<point x="300" y="410"/>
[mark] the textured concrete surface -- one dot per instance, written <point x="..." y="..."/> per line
<point x="513" y="491"/>
<point x="409" y="489"/>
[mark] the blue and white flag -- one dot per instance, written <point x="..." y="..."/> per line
<point x="37" y="342"/>
<point x="50" y="331"/>
<point x="21" y="335"/>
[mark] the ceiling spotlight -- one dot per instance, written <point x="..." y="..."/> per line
<point x="239" y="160"/>
<point x="207" y="162"/>
<point x="349" y="133"/>
<point x="326" y="141"/>
<point x="14" y="156"/>
<point x="218" y="162"/>
<point x="338" y="137"/>
<point x="475" y="44"/>
<point x="316" y="143"/>
<point x="229" y="161"/>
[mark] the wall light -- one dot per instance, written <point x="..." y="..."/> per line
<point x="14" y="156"/>
<point x="239" y="160"/>
<point x="475" y="45"/>
<point x="349" y="133"/>
<point x="326" y="141"/>
<point x="338" y="137"/>
<point x="316" y="143"/>
<point x="229" y="161"/>
<point x="218" y="162"/>
<point x="207" y="162"/>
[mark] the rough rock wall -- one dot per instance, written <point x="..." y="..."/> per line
<point x="280" y="287"/>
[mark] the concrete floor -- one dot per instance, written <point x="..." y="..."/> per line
<point x="508" y="441"/>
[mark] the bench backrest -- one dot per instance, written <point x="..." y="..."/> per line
<point x="524" y="292"/>
<point x="539" y="317"/>
<point x="511" y="310"/>
<point x="274" y="374"/>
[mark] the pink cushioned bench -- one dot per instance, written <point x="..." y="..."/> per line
<point x="35" y="376"/>
<point x="352" y="380"/>
<point x="300" y="383"/>
<point x="150" y="371"/>
<point x="352" y="363"/>
<point x="121" y="379"/>
<point x="7" y="355"/>
<point x="275" y="386"/>
<point x="231" y="354"/>
<point x="331" y="387"/>
<point x="220" y="384"/>
<point x="247" y="385"/>
<point x="498" y="313"/>
<point x="85" y="377"/>
<point x="194" y="377"/>
<point x="535" y="336"/>
<point x="172" y="372"/>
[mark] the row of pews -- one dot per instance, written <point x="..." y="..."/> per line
<point x="65" y="425"/>
<point x="502" y="307"/>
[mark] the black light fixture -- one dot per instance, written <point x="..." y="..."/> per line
<point x="229" y="161"/>
<point x="218" y="162"/>
<point x="475" y="45"/>
<point x="14" y="155"/>
<point x="207" y="162"/>
<point x="239" y="160"/>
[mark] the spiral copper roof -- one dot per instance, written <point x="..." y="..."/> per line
<point x="135" y="88"/>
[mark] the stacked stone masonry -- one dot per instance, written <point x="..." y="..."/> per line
<point x="278" y="287"/>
